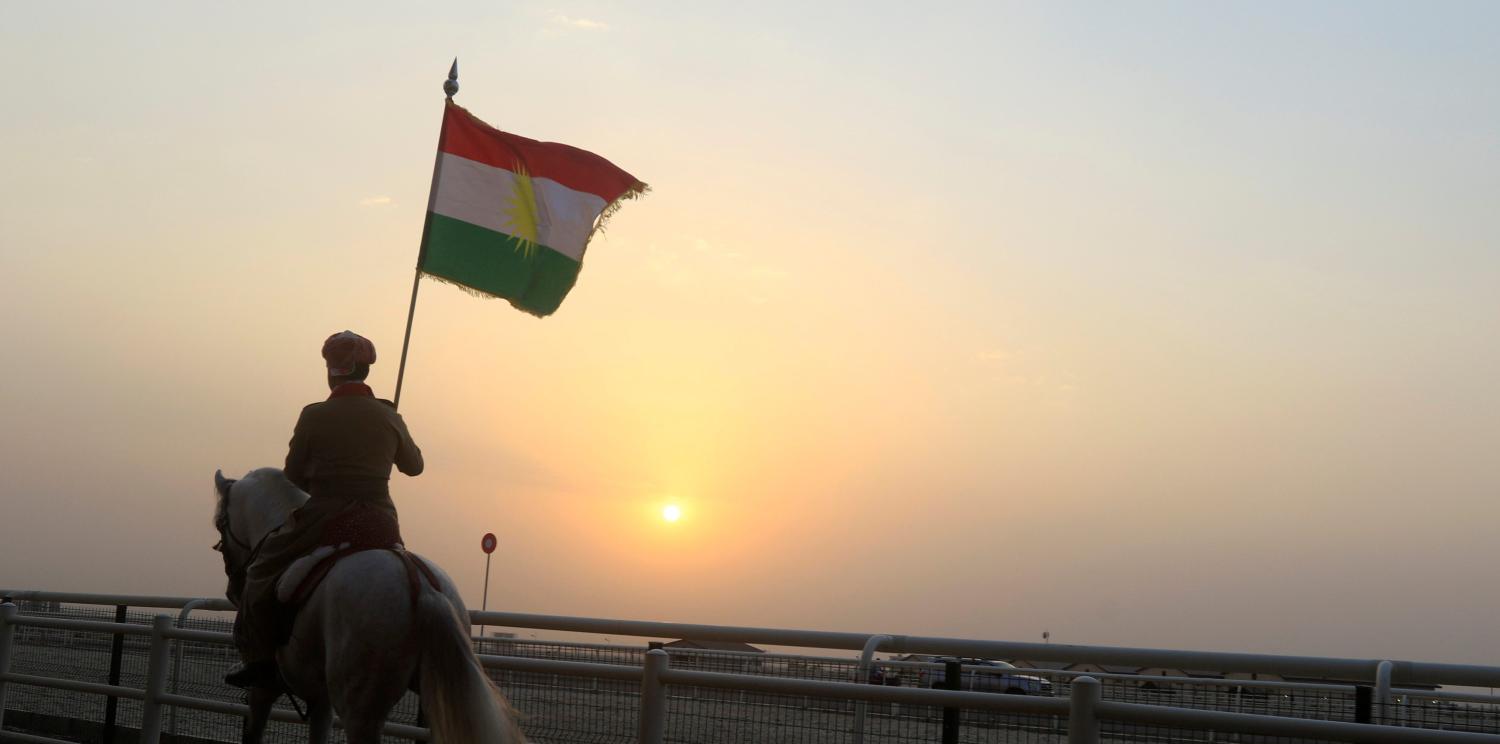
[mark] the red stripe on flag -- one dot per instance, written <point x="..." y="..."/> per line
<point x="466" y="136"/>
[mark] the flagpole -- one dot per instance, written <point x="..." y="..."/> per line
<point x="450" y="87"/>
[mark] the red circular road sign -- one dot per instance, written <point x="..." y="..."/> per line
<point x="488" y="543"/>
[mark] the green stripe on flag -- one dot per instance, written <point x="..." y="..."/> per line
<point x="494" y="263"/>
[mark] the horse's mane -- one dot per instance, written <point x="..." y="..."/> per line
<point x="218" y="507"/>
<point x="275" y="480"/>
<point x="271" y="482"/>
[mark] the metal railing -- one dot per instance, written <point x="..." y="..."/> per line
<point x="1084" y="710"/>
<point x="1402" y="672"/>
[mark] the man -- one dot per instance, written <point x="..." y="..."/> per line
<point x="341" y="454"/>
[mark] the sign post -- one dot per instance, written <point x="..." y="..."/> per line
<point x="487" y="544"/>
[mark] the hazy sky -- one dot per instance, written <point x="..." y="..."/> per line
<point x="1157" y="324"/>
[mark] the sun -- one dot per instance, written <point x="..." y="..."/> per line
<point x="671" y="513"/>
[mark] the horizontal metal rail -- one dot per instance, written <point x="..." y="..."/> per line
<point x="30" y="738"/>
<point x="651" y="629"/>
<point x="73" y="685"/>
<point x="1098" y="710"/>
<point x="1403" y="672"/>
<point x="1019" y="704"/>
<point x="200" y="636"/>
<point x="219" y="706"/>
<point x="1448" y="695"/>
<point x="489" y="639"/>
<point x="1407" y="672"/>
<point x="1249" y="723"/>
<point x="85" y="626"/>
<point x="622" y="672"/>
<point x="128" y="600"/>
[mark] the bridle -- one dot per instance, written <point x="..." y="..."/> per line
<point x="226" y="531"/>
<point x="236" y="574"/>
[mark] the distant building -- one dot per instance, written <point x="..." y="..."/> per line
<point x="1255" y="676"/>
<point x="39" y="606"/>
<point x="1045" y="666"/>
<point x="714" y="656"/>
<point x="1203" y="673"/>
<point x="1090" y="668"/>
<point x="1162" y="672"/>
<point x="715" y="646"/>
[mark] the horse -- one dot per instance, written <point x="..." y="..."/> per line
<point x="357" y="645"/>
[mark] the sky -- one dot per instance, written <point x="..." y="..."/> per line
<point x="1167" y="324"/>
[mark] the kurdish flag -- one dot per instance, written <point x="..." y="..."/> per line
<point x="510" y="217"/>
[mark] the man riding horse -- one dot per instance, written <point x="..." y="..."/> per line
<point x="341" y="454"/>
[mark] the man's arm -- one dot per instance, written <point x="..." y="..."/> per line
<point x="408" y="455"/>
<point x="298" y="453"/>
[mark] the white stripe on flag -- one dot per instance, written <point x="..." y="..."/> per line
<point x="477" y="193"/>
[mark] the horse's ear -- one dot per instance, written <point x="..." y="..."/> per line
<point x="222" y="484"/>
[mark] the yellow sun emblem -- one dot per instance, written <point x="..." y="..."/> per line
<point x="521" y="212"/>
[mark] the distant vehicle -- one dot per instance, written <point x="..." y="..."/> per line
<point x="983" y="675"/>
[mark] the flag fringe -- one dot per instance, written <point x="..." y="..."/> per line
<point x="466" y="289"/>
<point x="636" y="191"/>
<point x="472" y="292"/>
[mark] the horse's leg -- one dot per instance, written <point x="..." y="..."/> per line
<point x="319" y="722"/>
<point x="365" y="682"/>
<point x="364" y="702"/>
<point x="261" y="701"/>
<point x="363" y="689"/>
<point x="363" y="729"/>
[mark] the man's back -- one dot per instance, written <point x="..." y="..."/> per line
<point x="344" y="447"/>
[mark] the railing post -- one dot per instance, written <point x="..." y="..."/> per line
<point x="1362" y="701"/>
<point x="1383" y="682"/>
<point x="862" y="676"/>
<point x="953" y="679"/>
<point x="653" y="698"/>
<point x="156" y="680"/>
<point x="116" y="652"/>
<point x="1383" y="698"/>
<point x="177" y="654"/>
<point x="7" y="635"/>
<point x="1083" y="725"/>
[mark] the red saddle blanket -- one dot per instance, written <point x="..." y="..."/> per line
<point x="354" y="530"/>
<point x="362" y="527"/>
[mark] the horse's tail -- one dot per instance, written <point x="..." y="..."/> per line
<point x="461" y="703"/>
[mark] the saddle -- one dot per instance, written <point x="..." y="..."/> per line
<point x="352" y="531"/>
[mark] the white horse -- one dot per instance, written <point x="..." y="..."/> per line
<point x="357" y="646"/>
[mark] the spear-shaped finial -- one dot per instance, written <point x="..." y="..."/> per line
<point x="451" y="85"/>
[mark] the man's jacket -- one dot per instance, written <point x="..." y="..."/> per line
<point x="343" y="448"/>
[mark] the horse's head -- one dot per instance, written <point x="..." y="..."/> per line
<point x="247" y="510"/>
<point x="234" y="550"/>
